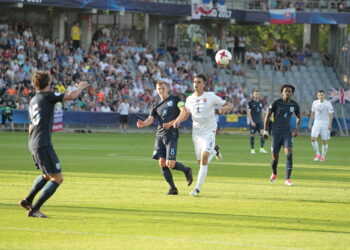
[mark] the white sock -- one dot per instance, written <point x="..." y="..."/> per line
<point x="202" y="174"/>
<point x="315" y="147"/>
<point x="324" y="150"/>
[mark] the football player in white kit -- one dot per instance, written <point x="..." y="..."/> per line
<point x="201" y="105"/>
<point x="322" y="112"/>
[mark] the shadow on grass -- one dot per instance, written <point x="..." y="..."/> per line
<point x="210" y="219"/>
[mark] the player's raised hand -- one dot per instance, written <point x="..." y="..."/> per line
<point x="83" y="85"/>
<point x="140" y="123"/>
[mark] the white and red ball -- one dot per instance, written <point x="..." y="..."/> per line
<point x="223" y="57"/>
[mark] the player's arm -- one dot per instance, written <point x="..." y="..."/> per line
<point x="249" y="114"/>
<point x="145" y="123"/>
<point x="266" y="124"/>
<point x="226" y="107"/>
<point x="183" y="116"/>
<point x="75" y="93"/>
<point x="331" y="116"/>
<point x="298" y="121"/>
<point x="312" y="116"/>
<point x="30" y="128"/>
<point x="168" y="125"/>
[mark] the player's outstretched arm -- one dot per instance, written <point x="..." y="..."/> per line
<point x="225" y="108"/>
<point x="145" y="123"/>
<point x="266" y="124"/>
<point x="75" y="93"/>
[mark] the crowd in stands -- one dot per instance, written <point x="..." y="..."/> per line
<point x="300" y="5"/>
<point x="115" y="65"/>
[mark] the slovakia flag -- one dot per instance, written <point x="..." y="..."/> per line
<point x="283" y="16"/>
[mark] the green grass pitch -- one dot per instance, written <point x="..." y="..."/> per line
<point x="113" y="197"/>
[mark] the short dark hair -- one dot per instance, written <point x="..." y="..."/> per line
<point x="287" y="86"/>
<point x="256" y="90"/>
<point x="41" y="79"/>
<point x="321" y="91"/>
<point x="201" y="76"/>
<point x="158" y="83"/>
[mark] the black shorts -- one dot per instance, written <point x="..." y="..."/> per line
<point x="259" y="126"/>
<point x="165" y="147"/>
<point x="46" y="160"/>
<point x="123" y="119"/>
<point x="279" y="140"/>
<point x="6" y="117"/>
<point x="76" y="44"/>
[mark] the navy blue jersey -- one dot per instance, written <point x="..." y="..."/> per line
<point x="256" y="108"/>
<point x="166" y="111"/>
<point x="282" y="113"/>
<point x="41" y="110"/>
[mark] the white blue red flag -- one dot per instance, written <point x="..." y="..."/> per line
<point x="282" y="16"/>
<point x="341" y="96"/>
<point x="201" y="7"/>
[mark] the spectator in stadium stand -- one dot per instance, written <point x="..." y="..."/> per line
<point x="75" y="35"/>
<point x="210" y="45"/>
<point x="123" y="109"/>
<point x="278" y="64"/>
<point x="286" y="64"/>
<point x="300" y="58"/>
<point x="105" y="108"/>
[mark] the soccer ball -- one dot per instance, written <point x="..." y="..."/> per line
<point x="223" y="57"/>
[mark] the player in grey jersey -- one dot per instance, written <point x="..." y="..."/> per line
<point x="41" y="110"/>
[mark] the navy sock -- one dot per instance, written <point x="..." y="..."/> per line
<point x="262" y="142"/>
<point x="289" y="165"/>
<point x="168" y="177"/>
<point x="252" y="142"/>
<point x="274" y="164"/>
<point x="38" y="184"/>
<point x="48" y="191"/>
<point x="179" y="166"/>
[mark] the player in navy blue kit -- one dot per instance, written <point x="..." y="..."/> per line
<point x="165" y="147"/>
<point x="282" y="110"/>
<point x="41" y="110"/>
<point x="256" y="117"/>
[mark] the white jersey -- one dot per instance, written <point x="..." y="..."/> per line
<point x="124" y="108"/>
<point x="322" y="111"/>
<point x="202" y="109"/>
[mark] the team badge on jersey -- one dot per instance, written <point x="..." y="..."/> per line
<point x="205" y="100"/>
<point x="170" y="103"/>
<point x="292" y="109"/>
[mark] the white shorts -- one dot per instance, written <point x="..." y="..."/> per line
<point x="203" y="143"/>
<point x="318" y="130"/>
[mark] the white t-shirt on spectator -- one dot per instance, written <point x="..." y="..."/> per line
<point x="124" y="108"/>
<point x="105" y="109"/>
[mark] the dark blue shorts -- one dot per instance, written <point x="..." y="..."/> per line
<point x="283" y="139"/>
<point x="46" y="160"/>
<point x="165" y="147"/>
<point x="259" y="126"/>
